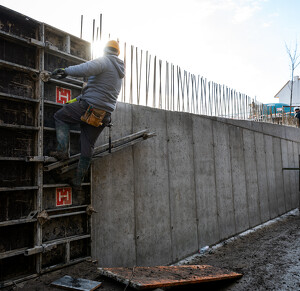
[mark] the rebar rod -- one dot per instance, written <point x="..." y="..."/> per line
<point x="178" y="91"/>
<point x="137" y="75"/>
<point x="140" y="77"/>
<point x="197" y="95"/>
<point x="204" y="96"/>
<point x="81" y="25"/>
<point x="210" y="97"/>
<point x="173" y="86"/>
<point x="188" y="78"/>
<point x="154" y="84"/>
<point x="148" y="66"/>
<point x="167" y="96"/>
<point x="160" y="95"/>
<point x="100" y="26"/>
<point x="131" y="74"/>
<point x="124" y="79"/>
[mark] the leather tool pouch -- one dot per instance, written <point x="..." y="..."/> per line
<point x="93" y="116"/>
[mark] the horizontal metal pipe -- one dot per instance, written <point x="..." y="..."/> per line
<point x="66" y="208"/>
<point x="17" y="67"/>
<point x="12" y="253"/>
<point x="61" y="185"/>
<point x="14" y="126"/>
<point x="59" y="266"/>
<point x="53" y="244"/>
<point x="17" y="221"/>
<point x="67" y="214"/>
<point x="19" y="98"/>
<point x="53" y="129"/>
<point x="6" y="189"/>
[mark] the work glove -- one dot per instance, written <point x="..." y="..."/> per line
<point x="60" y="73"/>
<point x="71" y="101"/>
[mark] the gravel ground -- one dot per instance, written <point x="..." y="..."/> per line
<point x="268" y="258"/>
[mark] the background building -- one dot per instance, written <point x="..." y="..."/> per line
<point x="284" y="94"/>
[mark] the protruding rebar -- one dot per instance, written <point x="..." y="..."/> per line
<point x="154" y="83"/>
<point x="131" y="74"/>
<point x="81" y="26"/>
<point x="100" y="26"/>
<point x="124" y="79"/>
<point x="160" y="93"/>
<point x="93" y="36"/>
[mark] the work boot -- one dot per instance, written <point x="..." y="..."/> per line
<point x="62" y="136"/>
<point x="82" y="168"/>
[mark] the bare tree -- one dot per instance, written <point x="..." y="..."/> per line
<point x="294" y="63"/>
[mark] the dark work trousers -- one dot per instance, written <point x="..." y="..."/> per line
<point x="70" y="114"/>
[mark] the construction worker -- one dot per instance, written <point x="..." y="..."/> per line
<point x="92" y="109"/>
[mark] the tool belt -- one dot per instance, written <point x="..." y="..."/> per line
<point x="93" y="116"/>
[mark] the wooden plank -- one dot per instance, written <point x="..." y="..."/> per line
<point x="165" y="276"/>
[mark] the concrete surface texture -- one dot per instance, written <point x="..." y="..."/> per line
<point x="201" y="180"/>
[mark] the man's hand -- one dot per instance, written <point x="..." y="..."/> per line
<point x="60" y="73"/>
<point x="71" y="101"/>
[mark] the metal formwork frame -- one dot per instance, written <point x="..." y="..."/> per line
<point x="35" y="160"/>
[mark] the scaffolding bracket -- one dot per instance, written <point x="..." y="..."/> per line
<point x="44" y="159"/>
<point x="101" y="151"/>
<point x="40" y="249"/>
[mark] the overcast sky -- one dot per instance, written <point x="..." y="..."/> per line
<point x="239" y="43"/>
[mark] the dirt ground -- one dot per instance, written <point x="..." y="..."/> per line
<point x="268" y="258"/>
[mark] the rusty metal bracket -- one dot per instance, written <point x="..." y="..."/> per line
<point x="40" y="249"/>
<point x="43" y="217"/>
<point x="90" y="210"/>
<point x="45" y="76"/>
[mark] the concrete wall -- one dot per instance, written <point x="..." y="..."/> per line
<point x="199" y="181"/>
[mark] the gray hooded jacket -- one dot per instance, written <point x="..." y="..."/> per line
<point x="104" y="82"/>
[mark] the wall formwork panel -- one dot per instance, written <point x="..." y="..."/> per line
<point x="27" y="105"/>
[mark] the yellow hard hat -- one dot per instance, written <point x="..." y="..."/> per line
<point x="113" y="44"/>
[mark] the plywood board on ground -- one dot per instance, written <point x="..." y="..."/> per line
<point x="163" y="276"/>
